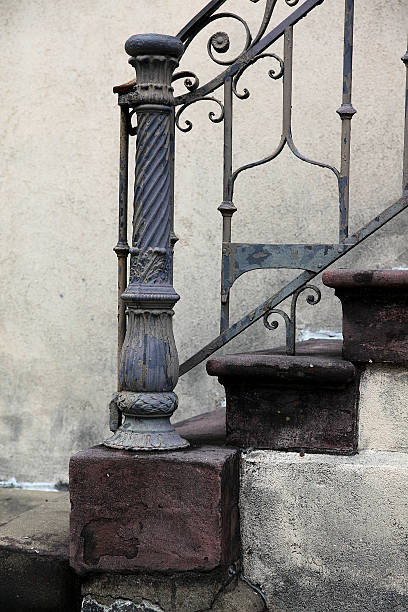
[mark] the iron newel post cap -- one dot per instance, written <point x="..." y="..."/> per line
<point x="154" y="57"/>
<point x="154" y="44"/>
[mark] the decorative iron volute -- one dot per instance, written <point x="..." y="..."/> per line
<point x="154" y="57"/>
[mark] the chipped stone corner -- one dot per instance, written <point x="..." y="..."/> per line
<point x="220" y="591"/>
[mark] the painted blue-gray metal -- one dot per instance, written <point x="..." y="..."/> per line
<point x="239" y="258"/>
<point x="148" y="368"/>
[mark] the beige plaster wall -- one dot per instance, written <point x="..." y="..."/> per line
<point x="59" y="129"/>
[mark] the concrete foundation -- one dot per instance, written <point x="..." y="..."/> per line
<point x="383" y="422"/>
<point x="326" y="533"/>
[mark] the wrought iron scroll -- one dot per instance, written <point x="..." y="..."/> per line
<point x="290" y="321"/>
<point x="212" y="116"/>
<point x="188" y="33"/>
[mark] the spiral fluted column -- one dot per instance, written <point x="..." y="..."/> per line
<point x="148" y="369"/>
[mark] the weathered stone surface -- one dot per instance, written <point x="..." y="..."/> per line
<point x="176" y="592"/>
<point x="383" y="418"/>
<point x="154" y="511"/>
<point x="34" y="570"/>
<point x="219" y="591"/>
<point x="119" y="605"/>
<point x="302" y="402"/>
<point x="323" y="533"/>
<point x="207" y="428"/>
<point x="375" y="313"/>
<point x="238" y="597"/>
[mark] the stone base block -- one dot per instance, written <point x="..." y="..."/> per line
<point x="323" y="533"/>
<point x="162" y="511"/>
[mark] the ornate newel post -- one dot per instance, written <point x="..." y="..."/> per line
<point x="148" y="370"/>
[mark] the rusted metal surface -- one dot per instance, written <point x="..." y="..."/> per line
<point x="239" y="258"/>
<point x="375" y="313"/>
<point x="306" y="402"/>
<point x="346" y="113"/>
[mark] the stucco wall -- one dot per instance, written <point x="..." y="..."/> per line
<point x="59" y="128"/>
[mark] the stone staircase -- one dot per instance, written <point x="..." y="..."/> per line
<point x="293" y="498"/>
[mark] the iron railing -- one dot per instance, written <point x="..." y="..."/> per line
<point x="143" y="392"/>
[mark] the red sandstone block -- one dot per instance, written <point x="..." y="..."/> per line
<point x="375" y="313"/>
<point x="154" y="511"/>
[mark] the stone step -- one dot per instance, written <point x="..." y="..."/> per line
<point x="35" y="575"/>
<point x="305" y="402"/>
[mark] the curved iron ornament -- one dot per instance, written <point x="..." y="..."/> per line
<point x="187" y="75"/>
<point x="258" y="44"/>
<point x="272" y="73"/>
<point x="220" y="41"/>
<point x="211" y="114"/>
<point x="290" y="321"/>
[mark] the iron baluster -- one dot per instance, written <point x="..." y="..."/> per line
<point x="173" y="236"/>
<point x="122" y="247"/>
<point x="346" y="112"/>
<point x="286" y="70"/>
<point x="227" y="207"/>
<point x="405" y="159"/>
